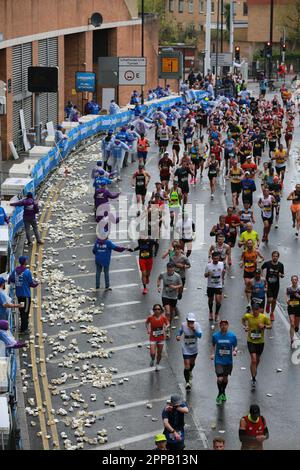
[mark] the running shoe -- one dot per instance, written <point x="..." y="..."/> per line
<point x="145" y="290"/>
<point x="157" y="368"/>
<point x="219" y="400"/>
<point x="151" y="363"/>
<point x="107" y="289"/>
<point x="296" y="234"/>
<point x="276" y="226"/>
<point x="188" y="386"/>
<point x="223" y="397"/>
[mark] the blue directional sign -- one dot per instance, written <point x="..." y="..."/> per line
<point x="85" y="82"/>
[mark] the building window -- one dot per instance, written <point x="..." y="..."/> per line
<point x="171" y="5"/>
<point x="201" y="6"/>
<point x="201" y="27"/>
<point x="191" y="6"/>
<point x="180" y="6"/>
<point x="245" y="9"/>
<point x="212" y="7"/>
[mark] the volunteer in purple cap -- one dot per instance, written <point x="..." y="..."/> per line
<point x="31" y="208"/>
<point x="7" y="337"/>
<point x="224" y="347"/>
<point x="23" y="280"/>
<point x="5" y="301"/>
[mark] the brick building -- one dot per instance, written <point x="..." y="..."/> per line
<point x="59" y="33"/>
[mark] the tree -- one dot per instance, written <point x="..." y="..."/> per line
<point x="290" y="20"/>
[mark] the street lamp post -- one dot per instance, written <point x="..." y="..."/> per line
<point x="271" y="35"/>
<point x="207" y="37"/>
<point x="143" y="39"/>
<point x="217" y="45"/>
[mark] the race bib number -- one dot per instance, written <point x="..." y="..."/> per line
<point x="145" y="254"/>
<point x="158" y="332"/>
<point x="224" y="352"/>
<point x="294" y="303"/>
<point x="247" y="191"/>
<point x="190" y="340"/>
<point x="255" y="334"/>
<point x="188" y="140"/>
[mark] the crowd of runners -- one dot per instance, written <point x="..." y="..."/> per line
<point x="241" y="144"/>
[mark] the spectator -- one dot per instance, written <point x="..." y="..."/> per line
<point x="68" y="109"/>
<point x="92" y="107"/>
<point x="114" y="108"/>
<point x="173" y="419"/>
<point x="134" y="98"/>
<point x="5" y="301"/>
<point x="3" y="216"/>
<point x="74" y="114"/>
<point x="117" y="151"/>
<point x="7" y="338"/>
<point x="59" y="135"/>
<point x="102" y="251"/>
<point x="31" y="208"/>
<point x="105" y="143"/>
<point x="23" y="280"/>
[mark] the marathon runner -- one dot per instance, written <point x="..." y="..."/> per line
<point x="274" y="270"/>
<point x="258" y="289"/>
<point x="224" y="346"/>
<point x="213" y="172"/>
<point x="255" y="324"/>
<point x="171" y="287"/>
<point x="293" y="303"/>
<point x="249" y="263"/>
<point x="294" y="196"/>
<point x="191" y="332"/>
<point x="140" y="180"/>
<point x="156" y="325"/>
<point x="165" y="164"/>
<point x="266" y="203"/>
<point x="234" y="222"/>
<point x="145" y="248"/>
<point x="174" y="198"/>
<point x="214" y="272"/>
<point x="253" y="430"/>
<point x="246" y="215"/>
<point x="235" y="174"/>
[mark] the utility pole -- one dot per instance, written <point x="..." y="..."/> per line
<point x="222" y="24"/>
<point x="143" y="39"/>
<point x="271" y="36"/>
<point x="231" y="37"/>
<point x="217" y="46"/>
<point x="207" y="37"/>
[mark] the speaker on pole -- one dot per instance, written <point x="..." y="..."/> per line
<point x="96" y="20"/>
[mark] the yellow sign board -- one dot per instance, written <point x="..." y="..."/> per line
<point x="74" y="93"/>
<point x="170" y="65"/>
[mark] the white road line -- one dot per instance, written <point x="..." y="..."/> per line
<point x="116" y="348"/>
<point x="128" y="440"/>
<point x="127" y="406"/>
<point x="117" y="376"/>
<point x="122" y="304"/>
<point x="113" y="271"/>
<point x="81" y="260"/>
<point x="105" y="327"/>
<point x="197" y="425"/>
<point x="119" y="242"/>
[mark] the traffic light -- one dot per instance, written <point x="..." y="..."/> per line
<point x="268" y="49"/>
<point x="237" y="55"/>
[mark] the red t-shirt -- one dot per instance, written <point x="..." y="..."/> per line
<point x="233" y="218"/>
<point x="252" y="167"/>
<point x="217" y="152"/>
<point x="157" y="327"/>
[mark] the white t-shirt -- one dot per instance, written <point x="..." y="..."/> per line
<point x="215" y="280"/>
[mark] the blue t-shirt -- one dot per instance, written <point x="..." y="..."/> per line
<point x="102" y="252"/>
<point x="3" y="216"/>
<point x="229" y="144"/>
<point x="224" y="347"/>
<point x="23" y="281"/>
<point x="4" y="299"/>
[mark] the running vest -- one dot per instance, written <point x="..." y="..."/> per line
<point x="221" y="250"/>
<point x="267" y="210"/>
<point x="174" y="199"/>
<point x="163" y="133"/>
<point x="249" y="258"/>
<point x="235" y="175"/>
<point x="255" y="429"/>
<point x="294" y="301"/>
<point x="142" y="145"/>
<point x="140" y="180"/>
<point x="258" y="289"/>
<point x="212" y="169"/>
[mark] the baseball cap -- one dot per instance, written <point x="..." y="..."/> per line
<point x="22" y="259"/>
<point x="99" y="162"/>
<point x="190" y="317"/>
<point x="2" y="281"/>
<point x="160" y="438"/>
<point x="255" y="306"/>
<point x="254" y="410"/>
<point x="176" y="400"/>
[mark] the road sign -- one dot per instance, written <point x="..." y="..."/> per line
<point x="132" y="70"/>
<point x="225" y="59"/>
<point x="170" y="64"/>
<point x="85" y="81"/>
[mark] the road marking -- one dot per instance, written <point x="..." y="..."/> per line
<point x="105" y="327"/>
<point x="120" y="242"/>
<point x="129" y="440"/>
<point x="85" y="260"/>
<point x="113" y="271"/>
<point x="122" y="304"/>
<point x="117" y="376"/>
<point x="198" y="426"/>
<point x="117" y="231"/>
<point x="116" y="348"/>
<point x="127" y="406"/>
